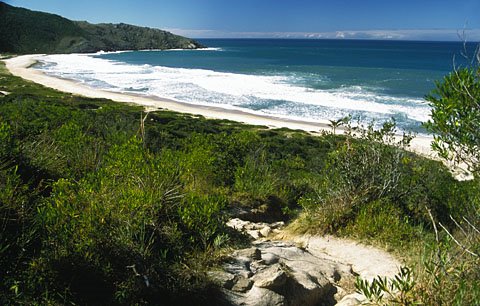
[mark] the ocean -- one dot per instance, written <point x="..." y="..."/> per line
<point x="309" y="80"/>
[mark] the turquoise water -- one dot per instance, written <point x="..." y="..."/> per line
<point x="311" y="80"/>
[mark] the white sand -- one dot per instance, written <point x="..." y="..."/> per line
<point x="19" y="66"/>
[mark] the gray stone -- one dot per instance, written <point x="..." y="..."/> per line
<point x="272" y="277"/>
<point x="305" y="289"/>
<point x="282" y="273"/>
<point x="239" y="266"/>
<point x="264" y="297"/>
<point x="255" y="226"/>
<point x="270" y="258"/>
<point x="277" y="225"/>
<point x="237" y="224"/>
<point x="251" y="253"/>
<point x="255" y="234"/>
<point x="242" y="284"/>
<point x="257" y="265"/>
<point x="265" y="231"/>
<point x="222" y="279"/>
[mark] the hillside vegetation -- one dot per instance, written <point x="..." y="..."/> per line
<point x="23" y="31"/>
<point x="99" y="209"/>
<point x="101" y="204"/>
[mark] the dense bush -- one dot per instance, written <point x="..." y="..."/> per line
<point x="455" y="117"/>
<point x="371" y="187"/>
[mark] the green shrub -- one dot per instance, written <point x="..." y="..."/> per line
<point x="396" y="291"/>
<point x="256" y="177"/>
<point x="455" y="116"/>
<point x="359" y="172"/>
<point x="202" y="217"/>
<point x="125" y="227"/>
<point x="382" y="220"/>
<point x="18" y="232"/>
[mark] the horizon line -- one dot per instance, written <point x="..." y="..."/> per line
<point x="447" y="35"/>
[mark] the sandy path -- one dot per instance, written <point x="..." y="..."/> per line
<point x="367" y="261"/>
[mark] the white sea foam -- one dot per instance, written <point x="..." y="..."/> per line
<point x="276" y="95"/>
<point x="198" y="49"/>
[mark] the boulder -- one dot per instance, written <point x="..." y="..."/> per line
<point x="222" y="279"/>
<point x="242" y="284"/>
<point x="270" y="258"/>
<point x="250" y="253"/>
<point x="238" y="266"/>
<point x="284" y="272"/>
<point x="255" y="234"/>
<point x="264" y="297"/>
<point x="273" y="277"/>
<point x="265" y="231"/>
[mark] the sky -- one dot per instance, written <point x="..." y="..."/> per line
<point x="362" y="19"/>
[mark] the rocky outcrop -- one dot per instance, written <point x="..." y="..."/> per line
<point x="297" y="271"/>
<point x="279" y="273"/>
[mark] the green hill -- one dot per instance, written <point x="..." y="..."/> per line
<point x="26" y="31"/>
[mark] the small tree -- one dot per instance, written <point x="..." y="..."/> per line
<point x="451" y="273"/>
<point x="455" y="117"/>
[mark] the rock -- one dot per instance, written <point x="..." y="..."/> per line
<point x="257" y="265"/>
<point x="237" y="224"/>
<point x="222" y="279"/>
<point x="277" y="225"/>
<point x="265" y="231"/>
<point x="255" y="234"/>
<point x="299" y="272"/>
<point x="255" y="226"/>
<point x="250" y="253"/>
<point x="238" y="266"/>
<point x="242" y="285"/>
<point x="269" y="258"/>
<point x="352" y="300"/>
<point x="341" y="293"/>
<point x="272" y="277"/>
<point x="305" y="289"/>
<point x="264" y="297"/>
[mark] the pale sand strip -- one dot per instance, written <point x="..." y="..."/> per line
<point x="19" y="66"/>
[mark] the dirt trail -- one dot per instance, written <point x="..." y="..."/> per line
<point x="366" y="261"/>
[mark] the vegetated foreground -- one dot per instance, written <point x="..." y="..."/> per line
<point x="103" y="204"/>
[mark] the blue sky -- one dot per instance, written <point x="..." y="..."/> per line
<point x="407" y="19"/>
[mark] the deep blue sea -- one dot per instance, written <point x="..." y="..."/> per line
<point x="311" y="80"/>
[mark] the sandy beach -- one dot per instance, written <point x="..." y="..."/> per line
<point x="20" y="66"/>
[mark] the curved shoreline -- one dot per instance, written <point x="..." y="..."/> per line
<point x="21" y="66"/>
